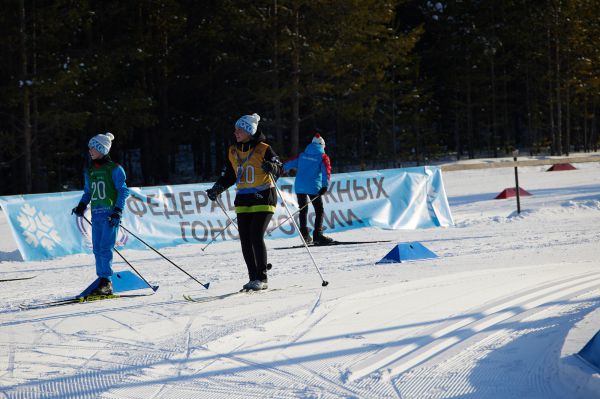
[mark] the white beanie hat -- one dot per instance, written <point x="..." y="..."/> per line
<point x="249" y="123"/>
<point x="101" y="142"/>
<point x="318" y="140"/>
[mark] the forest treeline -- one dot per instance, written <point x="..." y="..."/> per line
<point x="387" y="83"/>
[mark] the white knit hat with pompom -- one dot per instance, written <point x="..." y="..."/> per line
<point x="249" y="123"/>
<point x="318" y="140"/>
<point x="101" y="142"/>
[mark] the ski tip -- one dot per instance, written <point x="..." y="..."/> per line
<point x="206" y="285"/>
<point x="154" y="288"/>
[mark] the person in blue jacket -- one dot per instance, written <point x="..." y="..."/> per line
<point x="106" y="189"/>
<point x="312" y="180"/>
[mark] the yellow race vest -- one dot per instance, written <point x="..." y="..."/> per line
<point x="250" y="177"/>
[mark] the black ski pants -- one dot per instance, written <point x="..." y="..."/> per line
<point x="252" y="227"/>
<point x="317" y="202"/>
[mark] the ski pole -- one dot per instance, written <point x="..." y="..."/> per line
<point x="164" y="257"/>
<point x="153" y="287"/>
<point x="218" y="201"/>
<point x="229" y="222"/>
<point x="294" y="214"/>
<point x="324" y="283"/>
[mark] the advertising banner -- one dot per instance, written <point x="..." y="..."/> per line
<point x="163" y="216"/>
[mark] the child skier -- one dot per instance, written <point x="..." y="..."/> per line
<point x="251" y="166"/>
<point x="107" y="190"/>
<point x="312" y="179"/>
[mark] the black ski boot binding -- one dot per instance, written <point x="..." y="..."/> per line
<point x="104" y="287"/>
<point x="320" y="239"/>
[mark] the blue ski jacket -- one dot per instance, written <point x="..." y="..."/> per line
<point x="313" y="170"/>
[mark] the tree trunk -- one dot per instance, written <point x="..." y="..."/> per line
<point x="551" y="95"/>
<point x="40" y="184"/>
<point x="470" y="138"/>
<point x="531" y="132"/>
<point x="277" y="98"/>
<point x="586" y="145"/>
<point x="494" y="117"/>
<point x="27" y="180"/>
<point x="457" y="141"/>
<point x="394" y="146"/>
<point x="558" y="93"/>
<point x="508" y="128"/>
<point x="568" y="121"/>
<point x="594" y="125"/>
<point x="295" y="134"/>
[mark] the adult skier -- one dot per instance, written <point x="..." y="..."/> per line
<point x="312" y="180"/>
<point x="105" y="187"/>
<point x="252" y="166"/>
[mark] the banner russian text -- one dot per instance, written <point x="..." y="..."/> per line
<point x="164" y="216"/>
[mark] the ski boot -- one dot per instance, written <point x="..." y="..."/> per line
<point x="258" y="285"/>
<point x="104" y="287"/>
<point x="320" y="239"/>
<point x="306" y="235"/>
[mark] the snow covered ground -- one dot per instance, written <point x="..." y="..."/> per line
<point x="499" y="314"/>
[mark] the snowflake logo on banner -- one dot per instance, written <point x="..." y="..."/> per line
<point x="38" y="228"/>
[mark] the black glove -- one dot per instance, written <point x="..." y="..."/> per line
<point x="269" y="167"/>
<point x="323" y="190"/>
<point x="215" y="191"/>
<point x="115" y="218"/>
<point x="79" y="210"/>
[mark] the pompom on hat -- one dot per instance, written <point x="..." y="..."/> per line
<point x="249" y="123"/>
<point x="101" y="142"/>
<point x="318" y="139"/>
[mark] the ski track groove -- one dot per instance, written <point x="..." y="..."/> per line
<point x="293" y="377"/>
<point x="475" y="349"/>
<point x="96" y="379"/>
<point x="421" y="355"/>
<point x="262" y="381"/>
<point x="276" y="372"/>
<point x="420" y="382"/>
<point x="51" y="330"/>
<point x="317" y="312"/>
<point x="327" y="386"/>
<point x="492" y="314"/>
<point x="10" y="368"/>
<point x="188" y="347"/>
<point x="79" y="383"/>
<point x="127" y="326"/>
<point x="130" y="345"/>
<point x="560" y="242"/>
<point x="182" y="365"/>
<point x="301" y="329"/>
<point x="316" y="374"/>
<point x="91" y="311"/>
<point x="228" y="330"/>
<point x="315" y="315"/>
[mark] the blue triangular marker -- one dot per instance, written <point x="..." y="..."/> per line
<point x="405" y="252"/>
<point x="591" y="351"/>
<point x="121" y="281"/>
